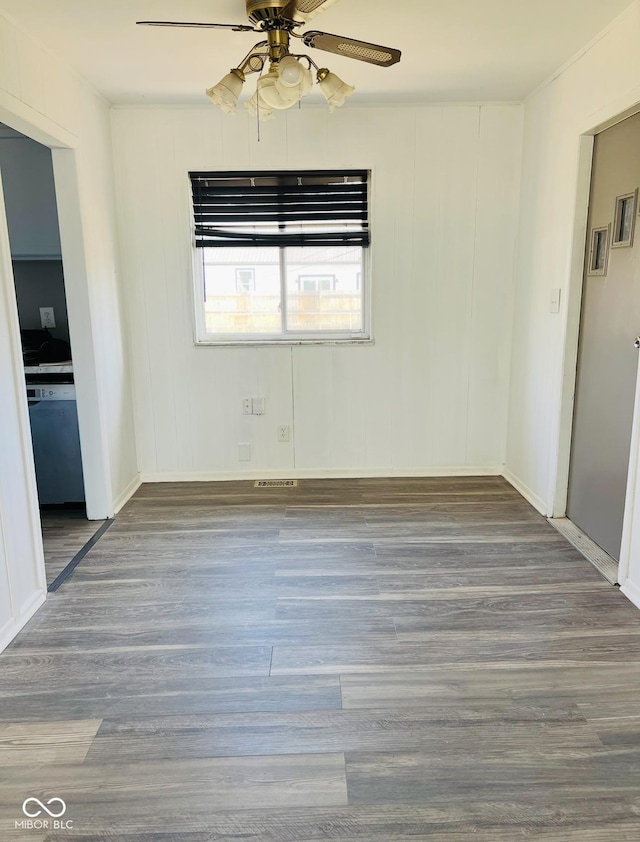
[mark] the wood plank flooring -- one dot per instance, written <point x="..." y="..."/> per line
<point x="64" y="533"/>
<point x="345" y="661"/>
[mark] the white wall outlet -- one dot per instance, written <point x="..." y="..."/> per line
<point x="284" y="432"/>
<point x="554" y="301"/>
<point x="244" y="452"/>
<point x="47" y="317"/>
<point x="258" y="406"/>
<point x="247" y="406"/>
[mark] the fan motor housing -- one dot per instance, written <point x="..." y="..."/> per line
<point x="265" y="11"/>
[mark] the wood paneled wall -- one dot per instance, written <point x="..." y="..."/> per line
<point x="430" y="394"/>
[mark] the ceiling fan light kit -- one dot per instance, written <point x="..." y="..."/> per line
<point x="227" y="92"/>
<point x="334" y="90"/>
<point x="290" y="72"/>
<point x="270" y="94"/>
<point x="257" y="108"/>
<point x="301" y="88"/>
<point x="287" y="80"/>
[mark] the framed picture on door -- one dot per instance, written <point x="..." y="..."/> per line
<point x="624" y="220"/>
<point x="599" y="251"/>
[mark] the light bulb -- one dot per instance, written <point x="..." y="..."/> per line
<point x="290" y="72"/>
<point x="271" y="95"/>
<point x="226" y="93"/>
<point x="334" y="90"/>
<point x="294" y="80"/>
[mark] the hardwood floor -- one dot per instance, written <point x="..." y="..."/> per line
<point x="345" y="661"/>
<point x="64" y="533"/>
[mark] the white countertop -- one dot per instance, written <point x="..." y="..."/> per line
<point x="50" y="368"/>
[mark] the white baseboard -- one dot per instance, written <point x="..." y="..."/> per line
<point x="11" y="629"/>
<point x="127" y="494"/>
<point x="352" y="473"/>
<point x="632" y="592"/>
<point x="526" y="492"/>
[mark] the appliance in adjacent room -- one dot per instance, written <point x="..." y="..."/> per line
<point x="53" y="415"/>
<point x="56" y="439"/>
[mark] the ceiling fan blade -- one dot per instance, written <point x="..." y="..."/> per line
<point x="350" y="48"/>
<point x="236" y="27"/>
<point x="303" y="11"/>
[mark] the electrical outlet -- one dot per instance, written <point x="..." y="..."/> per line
<point x="247" y="406"/>
<point x="244" y="452"/>
<point x="47" y="317"/>
<point x="284" y="432"/>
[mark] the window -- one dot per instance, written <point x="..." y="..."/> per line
<point x="599" y="252"/>
<point x="281" y="256"/>
<point x="316" y="283"/>
<point x="625" y="217"/>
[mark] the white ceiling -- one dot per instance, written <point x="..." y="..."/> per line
<point x="453" y="50"/>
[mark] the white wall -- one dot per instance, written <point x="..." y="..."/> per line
<point x="41" y="98"/>
<point x="601" y="83"/>
<point x="94" y="289"/>
<point x="429" y="395"/>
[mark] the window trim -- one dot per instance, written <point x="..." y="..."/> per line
<point x="202" y="339"/>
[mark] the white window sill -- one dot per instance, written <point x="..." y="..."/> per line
<point x="244" y="343"/>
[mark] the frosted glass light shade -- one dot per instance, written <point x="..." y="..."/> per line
<point x="334" y="90"/>
<point x="226" y="93"/>
<point x="256" y="105"/>
<point x="272" y="95"/>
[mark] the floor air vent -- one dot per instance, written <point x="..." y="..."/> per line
<point x="276" y="483"/>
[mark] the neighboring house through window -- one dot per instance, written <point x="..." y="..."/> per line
<point x="316" y="283"/>
<point x="245" y="280"/>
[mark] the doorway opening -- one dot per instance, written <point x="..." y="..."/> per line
<point x="38" y="273"/>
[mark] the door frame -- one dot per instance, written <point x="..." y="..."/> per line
<point x="603" y="120"/>
<point x="93" y="439"/>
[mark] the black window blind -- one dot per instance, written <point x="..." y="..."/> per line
<point x="316" y="207"/>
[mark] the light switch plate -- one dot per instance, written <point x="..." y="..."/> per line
<point x="554" y="301"/>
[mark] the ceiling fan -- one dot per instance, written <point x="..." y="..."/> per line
<point x="289" y="77"/>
